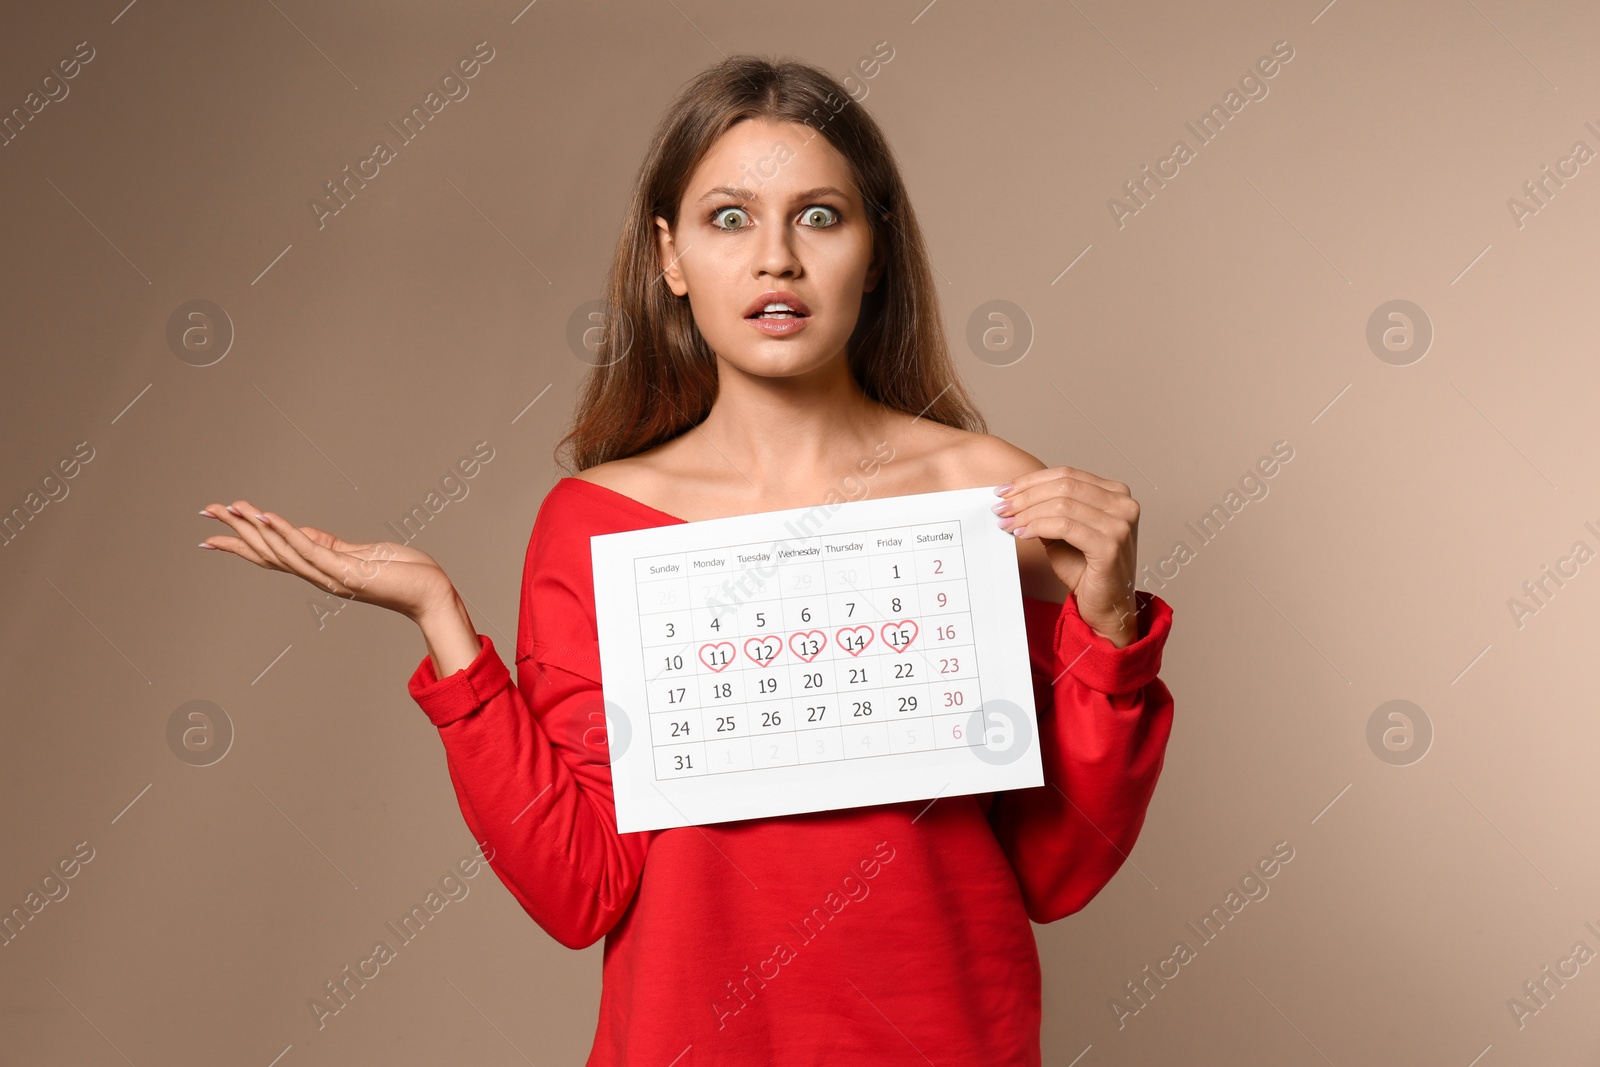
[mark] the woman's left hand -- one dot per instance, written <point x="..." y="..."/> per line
<point x="1090" y="530"/>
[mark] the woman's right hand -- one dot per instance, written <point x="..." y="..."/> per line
<point x="390" y="575"/>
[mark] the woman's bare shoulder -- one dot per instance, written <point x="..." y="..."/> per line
<point x="640" y="477"/>
<point x="624" y="475"/>
<point x="974" y="459"/>
<point x="613" y="474"/>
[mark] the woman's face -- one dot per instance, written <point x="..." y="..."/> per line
<point x="772" y="208"/>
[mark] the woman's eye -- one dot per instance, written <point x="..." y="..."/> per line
<point x="827" y="215"/>
<point x="817" y="216"/>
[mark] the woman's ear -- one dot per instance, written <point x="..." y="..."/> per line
<point x="669" y="258"/>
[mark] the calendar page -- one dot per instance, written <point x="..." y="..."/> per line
<point x="816" y="658"/>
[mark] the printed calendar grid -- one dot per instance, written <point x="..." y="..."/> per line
<point x="983" y="603"/>
<point x="782" y="729"/>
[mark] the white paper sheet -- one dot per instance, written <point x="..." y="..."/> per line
<point x="834" y="656"/>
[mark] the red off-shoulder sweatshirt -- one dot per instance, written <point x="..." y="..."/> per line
<point x="891" y="934"/>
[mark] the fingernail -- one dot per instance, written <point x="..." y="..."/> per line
<point x="263" y="518"/>
<point x="204" y="545"/>
<point x="1001" y="490"/>
<point x="206" y="513"/>
<point x="234" y="510"/>
<point x="997" y="509"/>
<point x="1019" y="530"/>
<point x="1006" y="521"/>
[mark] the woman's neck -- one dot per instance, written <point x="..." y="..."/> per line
<point x="791" y="431"/>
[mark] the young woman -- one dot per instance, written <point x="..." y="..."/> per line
<point x="775" y="342"/>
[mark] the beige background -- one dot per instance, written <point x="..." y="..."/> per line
<point x="1229" y="314"/>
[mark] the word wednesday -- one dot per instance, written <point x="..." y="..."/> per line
<point x="340" y="193"/>
<point x="1212" y="123"/>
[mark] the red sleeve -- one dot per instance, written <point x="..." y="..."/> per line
<point x="1104" y="718"/>
<point x="529" y="760"/>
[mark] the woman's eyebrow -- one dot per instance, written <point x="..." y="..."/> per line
<point x="740" y="193"/>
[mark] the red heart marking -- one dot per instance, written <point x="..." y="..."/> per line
<point x="704" y="649"/>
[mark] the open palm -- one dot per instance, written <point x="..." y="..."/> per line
<point x="385" y="573"/>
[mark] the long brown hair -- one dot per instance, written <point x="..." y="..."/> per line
<point x="654" y="375"/>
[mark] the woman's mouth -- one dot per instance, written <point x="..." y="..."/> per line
<point x="779" y="318"/>
<point x="779" y="324"/>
